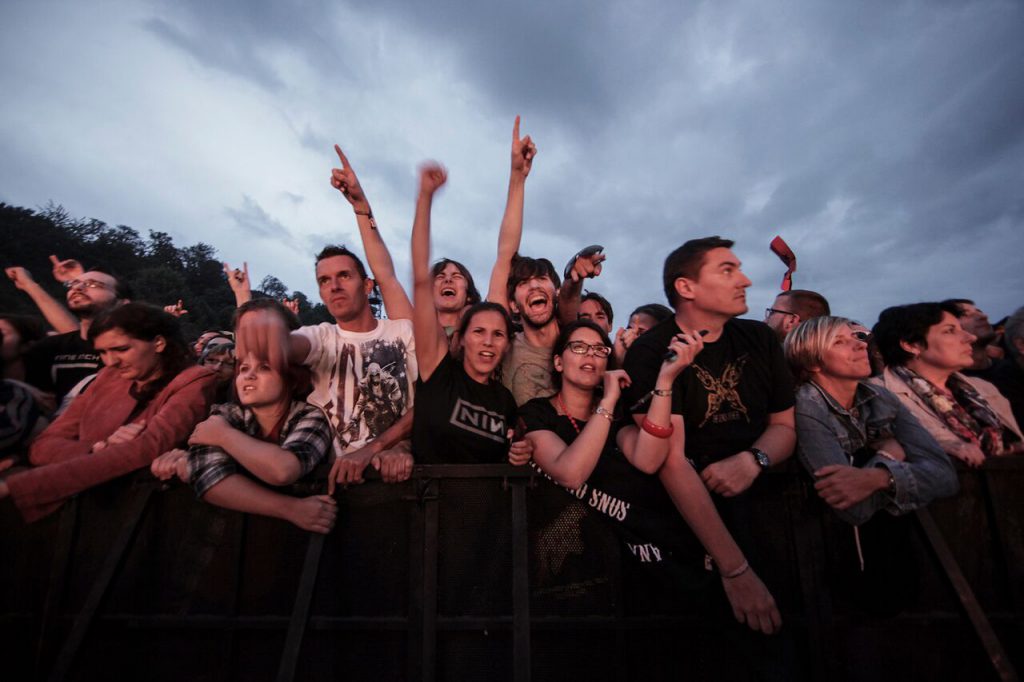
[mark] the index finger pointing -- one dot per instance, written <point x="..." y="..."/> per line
<point x="342" y="157"/>
<point x="515" y="130"/>
<point x="54" y="260"/>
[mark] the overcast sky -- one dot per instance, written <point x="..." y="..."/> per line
<point x="883" y="140"/>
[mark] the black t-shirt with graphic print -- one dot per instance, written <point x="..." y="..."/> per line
<point x="460" y="421"/>
<point x="726" y="396"/>
<point x="636" y="503"/>
<point x="57" y="363"/>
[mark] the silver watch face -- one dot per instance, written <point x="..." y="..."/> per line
<point x="762" y="458"/>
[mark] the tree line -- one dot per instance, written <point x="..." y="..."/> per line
<point x="158" y="271"/>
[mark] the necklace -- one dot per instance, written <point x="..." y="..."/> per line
<point x="561" y="406"/>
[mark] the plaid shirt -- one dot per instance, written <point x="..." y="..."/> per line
<point x="306" y="434"/>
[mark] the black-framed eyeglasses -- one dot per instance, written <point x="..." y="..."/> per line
<point x="768" y="312"/>
<point x="582" y="348"/>
<point x="86" y="283"/>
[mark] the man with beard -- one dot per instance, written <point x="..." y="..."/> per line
<point x="58" y="363"/>
<point x="529" y="288"/>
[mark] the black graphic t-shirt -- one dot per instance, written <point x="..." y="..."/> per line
<point x="636" y="503"/>
<point x="726" y="396"/>
<point x="59" y="362"/>
<point x="458" y="420"/>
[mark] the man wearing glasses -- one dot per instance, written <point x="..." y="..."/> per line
<point x="793" y="307"/>
<point x="58" y="363"/>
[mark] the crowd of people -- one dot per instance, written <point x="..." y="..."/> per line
<point x="667" y="422"/>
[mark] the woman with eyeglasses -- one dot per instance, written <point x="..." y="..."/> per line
<point x="219" y="357"/>
<point x="579" y="444"/>
<point x="144" y="402"/>
<point x="463" y="412"/>
<point x="863" y="447"/>
<point x="924" y="348"/>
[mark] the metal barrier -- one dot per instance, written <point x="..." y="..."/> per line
<point x="485" y="572"/>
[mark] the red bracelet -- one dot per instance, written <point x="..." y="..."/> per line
<point x="656" y="430"/>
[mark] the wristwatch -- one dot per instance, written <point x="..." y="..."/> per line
<point x="761" y="457"/>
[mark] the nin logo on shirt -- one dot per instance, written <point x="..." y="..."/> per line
<point x="478" y="420"/>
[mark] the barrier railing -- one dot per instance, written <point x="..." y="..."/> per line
<point x="485" y="572"/>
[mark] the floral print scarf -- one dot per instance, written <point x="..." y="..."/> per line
<point x="962" y="409"/>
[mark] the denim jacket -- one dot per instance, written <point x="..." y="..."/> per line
<point x="827" y="434"/>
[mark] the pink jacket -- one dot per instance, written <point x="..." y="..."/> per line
<point x="61" y="454"/>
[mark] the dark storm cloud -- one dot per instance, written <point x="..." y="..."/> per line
<point x="216" y="53"/>
<point x="236" y="37"/>
<point x="251" y="218"/>
<point x="883" y="140"/>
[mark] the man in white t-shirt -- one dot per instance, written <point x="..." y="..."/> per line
<point x="364" y="370"/>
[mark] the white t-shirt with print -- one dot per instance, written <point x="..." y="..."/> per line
<point x="362" y="380"/>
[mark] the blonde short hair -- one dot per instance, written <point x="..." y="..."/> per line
<point x="806" y="344"/>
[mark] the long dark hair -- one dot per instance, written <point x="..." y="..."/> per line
<point x="146" y="322"/>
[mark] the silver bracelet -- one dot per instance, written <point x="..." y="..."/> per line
<point x="744" y="567"/>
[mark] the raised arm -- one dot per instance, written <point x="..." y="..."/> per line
<point x="238" y="280"/>
<point x="586" y="263"/>
<point x="56" y="314"/>
<point x="511" y="233"/>
<point x="647" y="448"/>
<point x="396" y="302"/>
<point x="431" y="342"/>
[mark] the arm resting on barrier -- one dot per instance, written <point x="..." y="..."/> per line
<point x="751" y="601"/>
<point x="40" y="491"/>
